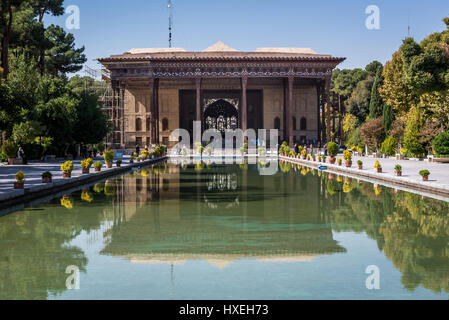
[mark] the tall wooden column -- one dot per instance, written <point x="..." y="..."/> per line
<point x="327" y="88"/>
<point x="156" y="110"/>
<point x="122" y="116"/>
<point x="289" y="113"/>
<point x="152" y="112"/>
<point x="318" y="94"/>
<point x="198" y="99"/>
<point x="244" y="120"/>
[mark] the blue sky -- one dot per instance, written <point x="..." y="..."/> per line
<point x="327" y="26"/>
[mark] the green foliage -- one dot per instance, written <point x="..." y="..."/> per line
<point x="411" y="135"/>
<point x="109" y="156"/>
<point x="20" y="176"/>
<point x="358" y="103"/>
<point x="101" y="147"/>
<point x="373" y="67"/>
<point x="398" y="168"/>
<point x="26" y="132"/>
<point x="359" y="162"/>
<point x="332" y="149"/>
<point x="424" y="173"/>
<point x="347" y="155"/>
<point x="67" y="166"/>
<point x="375" y="104"/>
<point x="98" y="164"/>
<point x="389" y="146"/>
<point x="9" y="148"/>
<point x="377" y="164"/>
<point x="47" y="174"/>
<point x="441" y="144"/>
<point x="387" y="117"/>
<point x="87" y="163"/>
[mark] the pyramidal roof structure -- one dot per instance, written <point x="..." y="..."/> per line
<point x="220" y="46"/>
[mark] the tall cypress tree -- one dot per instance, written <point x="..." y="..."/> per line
<point x="387" y="117"/>
<point x="375" y="105"/>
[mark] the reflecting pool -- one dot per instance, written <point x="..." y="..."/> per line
<point x="193" y="230"/>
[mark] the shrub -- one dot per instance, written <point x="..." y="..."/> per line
<point x="424" y="173"/>
<point x="359" y="162"/>
<point x="20" y="176"/>
<point x="98" y="164"/>
<point x="87" y="163"/>
<point x="119" y="162"/>
<point x="109" y="156"/>
<point x="332" y="149"/>
<point x="67" y="166"/>
<point x="398" y="168"/>
<point x="304" y="153"/>
<point x="100" y="147"/>
<point x="47" y="174"/>
<point x="411" y="135"/>
<point x="377" y="164"/>
<point x="389" y="146"/>
<point x="339" y="161"/>
<point x="347" y="155"/>
<point x="9" y="148"/>
<point x="441" y="144"/>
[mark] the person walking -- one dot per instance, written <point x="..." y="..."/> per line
<point x="21" y="155"/>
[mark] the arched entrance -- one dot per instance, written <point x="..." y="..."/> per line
<point x="221" y="115"/>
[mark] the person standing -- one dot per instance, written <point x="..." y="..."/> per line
<point x="138" y="149"/>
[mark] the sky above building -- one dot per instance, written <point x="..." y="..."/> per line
<point x="327" y="26"/>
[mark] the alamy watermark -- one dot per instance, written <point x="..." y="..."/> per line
<point x="372" y="282"/>
<point x="73" y="280"/>
<point x="74" y="19"/>
<point x="372" y="22"/>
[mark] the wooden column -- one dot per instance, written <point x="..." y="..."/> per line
<point x="244" y="120"/>
<point x="198" y="99"/>
<point x="289" y="113"/>
<point x="122" y="116"/>
<point x="318" y="94"/>
<point x="152" y="112"/>
<point x="327" y="93"/>
<point x="156" y="110"/>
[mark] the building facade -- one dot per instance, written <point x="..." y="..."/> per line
<point x="160" y="90"/>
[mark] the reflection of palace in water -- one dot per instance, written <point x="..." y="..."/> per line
<point x="218" y="213"/>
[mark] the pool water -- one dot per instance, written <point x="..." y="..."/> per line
<point x="193" y="230"/>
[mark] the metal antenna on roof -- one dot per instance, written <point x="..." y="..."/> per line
<point x="170" y="22"/>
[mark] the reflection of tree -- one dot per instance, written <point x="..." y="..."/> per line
<point x="35" y="250"/>
<point x="413" y="233"/>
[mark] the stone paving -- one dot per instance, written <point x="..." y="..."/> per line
<point x="34" y="169"/>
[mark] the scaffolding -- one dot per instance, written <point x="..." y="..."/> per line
<point x="110" y="100"/>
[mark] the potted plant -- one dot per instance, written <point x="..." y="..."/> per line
<point x="360" y="164"/>
<point x="377" y="167"/>
<point x="108" y="158"/>
<point x="131" y="159"/>
<point x="67" y="168"/>
<point x="118" y="163"/>
<point x="308" y="157"/>
<point x="100" y="148"/>
<point x="47" y="177"/>
<point x="20" y="180"/>
<point x="313" y="157"/>
<point x="424" y="174"/>
<point x="324" y="158"/>
<point x="9" y="149"/>
<point x="86" y="164"/>
<point x="304" y="154"/>
<point x="138" y="159"/>
<point x="339" y="161"/>
<point x="398" y="170"/>
<point x="319" y="158"/>
<point x="332" y="151"/>
<point x="262" y="151"/>
<point x="347" y="155"/>
<point x="98" y="165"/>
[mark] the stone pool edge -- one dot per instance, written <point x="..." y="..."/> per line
<point x="28" y="194"/>
<point x="432" y="189"/>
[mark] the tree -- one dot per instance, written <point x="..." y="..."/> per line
<point x="349" y="123"/>
<point x="387" y="117"/>
<point x="411" y="134"/>
<point x="8" y="8"/>
<point x="375" y="104"/>
<point x="62" y="57"/>
<point x="92" y="125"/>
<point x="372" y="132"/>
<point x="441" y="144"/>
<point x="358" y="103"/>
<point x="373" y="68"/>
<point x="397" y="130"/>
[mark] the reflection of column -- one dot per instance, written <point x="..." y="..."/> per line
<point x="244" y="121"/>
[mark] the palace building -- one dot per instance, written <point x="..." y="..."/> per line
<point x="161" y="89"/>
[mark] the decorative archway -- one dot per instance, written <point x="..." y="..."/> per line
<point x="220" y="115"/>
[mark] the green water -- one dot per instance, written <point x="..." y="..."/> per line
<point x="185" y="231"/>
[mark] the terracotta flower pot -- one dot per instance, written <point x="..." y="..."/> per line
<point x="425" y="178"/>
<point x="332" y="160"/>
<point x="348" y="164"/>
<point x="85" y="170"/>
<point x="19" y="185"/>
<point x="97" y="169"/>
<point x="398" y="173"/>
<point x="361" y="167"/>
<point x="10" y="161"/>
<point x="108" y="164"/>
<point x="378" y="170"/>
<point x="118" y="164"/>
<point x="46" y="180"/>
<point x="131" y="161"/>
<point x="66" y="174"/>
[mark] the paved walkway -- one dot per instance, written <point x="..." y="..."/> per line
<point x="34" y="169"/>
